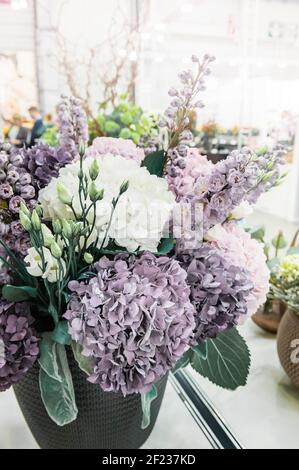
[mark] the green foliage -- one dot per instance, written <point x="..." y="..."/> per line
<point x="18" y="293"/>
<point x="258" y="233"/>
<point x="227" y="360"/>
<point x="224" y="360"/>
<point x="146" y="401"/>
<point x="155" y="162"/>
<point x="279" y="242"/>
<point x="50" y="137"/>
<point x="166" y="245"/>
<point x="60" y="334"/>
<point x="82" y="361"/>
<point x="126" y="120"/>
<point x="56" y="385"/>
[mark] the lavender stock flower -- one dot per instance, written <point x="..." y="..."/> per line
<point x="184" y="102"/>
<point x="73" y="127"/>
<point x="16" y="186"/>
<point x="134" y="319"/>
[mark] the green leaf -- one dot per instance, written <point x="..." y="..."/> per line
<point x="165" y="246"/>
<point x="83" y="361"/>
<point x="228" y="360"/>
<point x="146" y="401"/>
<point x="272" y="263"/>
<point x="53" y="312"/>
<point x="60" y="334"/>
<point x="47" y="360"/>
<point x="155" y="162"/>
<point x="183" y="361"/>
<point x="18" y="293"/>
<point x="58" y="395"/>
<point x="279" y="242"/>
<point x="201" y="350"/>
<point x="258" y="233"/>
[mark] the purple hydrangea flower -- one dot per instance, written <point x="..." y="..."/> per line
<point x="219" y="290"/>
<point x="43" y="163"/>
<point x="134" y="319"/>
<point x="18" y="343"/>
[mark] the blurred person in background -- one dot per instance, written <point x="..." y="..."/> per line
<point x="38" y="126"/>
<point x="18" y="135"/>
<point x="48" y="121"/>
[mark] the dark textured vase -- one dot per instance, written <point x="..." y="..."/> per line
<point x="287" y="344"/>
<point x="106" y="420"/>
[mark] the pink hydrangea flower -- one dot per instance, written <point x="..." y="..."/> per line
<point x="242" y="250"/>
<point x="123" y="147"/>
<point x="196" y="169"/>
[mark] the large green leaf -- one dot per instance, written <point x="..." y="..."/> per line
<point x="155" y="162"/>
<point x="228" y="360"/>
<point x="48" y="359"/>
<point x="61" y="334"/>
<point x="18" y="293"/>
<point x="146" y="401"/>
<point x="201" y="350"/>
<point x="82" y="361"/>
<point x="58" y="395"/>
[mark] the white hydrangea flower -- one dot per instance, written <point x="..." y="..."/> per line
<point x="141" y="214"/>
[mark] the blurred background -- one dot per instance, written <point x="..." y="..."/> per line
<point x="120" y="57"/>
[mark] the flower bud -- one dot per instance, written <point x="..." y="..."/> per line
<point x="67" y="229"/>
<point x="25" y="221"/>
<point x="47" y="236"/>
<point x="88" y="258"/>
<point x="35" y="220"/>
<point x="76" y="227"/>
<point x="63" y="194"/>
<point x="94" y="170"/>
<point x="57" y="227"/>
<point x="81" y="149"/>
<point x="24" y="209"/>
<point x="39" y="211"/>
<point x="95" y="194"/>
<point x="56" y="250"/>
<point x="124" y="187"/>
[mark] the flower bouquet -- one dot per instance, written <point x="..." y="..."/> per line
<point x="119" y="267"/>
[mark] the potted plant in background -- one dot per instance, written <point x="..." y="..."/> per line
<point x="270" y="314"/>
<point x="98" y="300"/>
<point x="285" y="285"/>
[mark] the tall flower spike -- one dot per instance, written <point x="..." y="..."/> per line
<point x="73" y="129"/>
<point x="184" y="101"/>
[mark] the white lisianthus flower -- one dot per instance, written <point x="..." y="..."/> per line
<point x="51" y="268"/>
<point x="216" y="233"/>
<point x="242" y="211"/>
<point x="141" y="213"/>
